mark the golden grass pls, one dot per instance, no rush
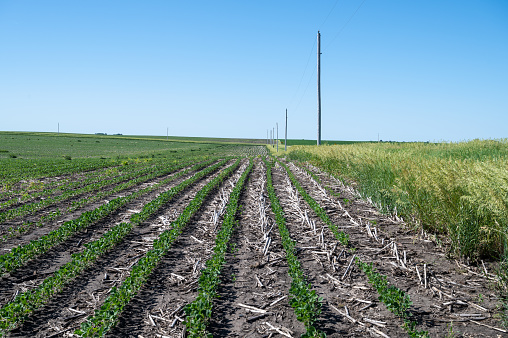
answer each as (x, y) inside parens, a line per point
(459, 189)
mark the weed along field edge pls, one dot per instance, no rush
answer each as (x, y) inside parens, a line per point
(144, 237)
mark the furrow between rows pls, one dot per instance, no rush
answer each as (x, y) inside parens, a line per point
(327, 264)
(106, 317)
(443, 292)
(158, 307)
(15, 312)
(253, 296)
(36, 270)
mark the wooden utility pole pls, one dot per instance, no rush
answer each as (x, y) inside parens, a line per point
(286, 133)
(277, 136)
(318, 88)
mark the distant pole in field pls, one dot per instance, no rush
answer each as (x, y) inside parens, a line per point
(318, 88)
(270, 138)
(286, 133)
(273, 137)
(277, 136)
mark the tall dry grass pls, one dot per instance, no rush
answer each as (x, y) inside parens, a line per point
(457, 189)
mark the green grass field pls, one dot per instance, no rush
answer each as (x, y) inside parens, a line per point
(51, 145)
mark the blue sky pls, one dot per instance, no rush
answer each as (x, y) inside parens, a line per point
(408, 70)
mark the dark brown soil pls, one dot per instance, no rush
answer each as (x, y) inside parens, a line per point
(455, 293)
(253, 277)
(62, 206)
(35, 271)
(458, 300)
(174, 283)
(87, 292)
(36, 232)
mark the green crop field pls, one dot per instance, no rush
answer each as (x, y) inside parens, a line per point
(51, 145)
(151, 236)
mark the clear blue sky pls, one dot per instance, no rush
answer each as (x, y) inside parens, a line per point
(408, 70)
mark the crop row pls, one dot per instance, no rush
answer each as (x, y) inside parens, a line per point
(100, 195)
(17, 170)
(106, 317)
(318, 180)
(396, 300)
(31, 188)
(342, 237)
(163, 171)
(200, 310)
(28, 208)
(46, 190)
(21, 254)
(17, 310)
(454, 189)
(305, 302)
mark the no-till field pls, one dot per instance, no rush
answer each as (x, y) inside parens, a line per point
(449, 299)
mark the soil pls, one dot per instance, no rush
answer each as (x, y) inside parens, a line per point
(256, 273)
(455, 295)
(46, 227)
(455, 300)
(62, 206)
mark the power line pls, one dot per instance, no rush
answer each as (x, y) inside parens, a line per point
(303, 75)
(342, 28)
(324, 49)
(308, 60)
(331, 10)
(305, 91)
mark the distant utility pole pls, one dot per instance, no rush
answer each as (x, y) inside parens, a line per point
(318, 88)
(270, 138)
(273, 137)
(286, 133)
(277, 136)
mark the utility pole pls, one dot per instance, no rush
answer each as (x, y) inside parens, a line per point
(318, 88)
(277, 136)
(286, 133)
(273, 137)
